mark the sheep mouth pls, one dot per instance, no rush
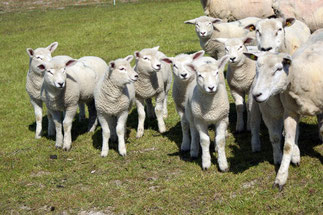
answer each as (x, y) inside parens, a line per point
(133, 80)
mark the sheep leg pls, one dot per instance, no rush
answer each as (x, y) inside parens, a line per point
(255, 120)
(275, 128)
(296, 156)
(320, 125)
(205, 144)
(290, 126)
(195, 146)
(38, 110)
(58, 127)
(67, 125)
(81, 112)
(121, 125)
(93, 121)
(159, 112)
(239, 102)
(112, 125)
(105, 134)
(165, 111)
(51, 125)
(141, 116)
(185, 146)
(150, 109)
(221, 128)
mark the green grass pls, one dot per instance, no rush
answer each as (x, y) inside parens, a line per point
(154, 178)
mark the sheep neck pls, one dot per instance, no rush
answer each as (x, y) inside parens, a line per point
(34, 80)
(112, 92)
(54, 97)
(148, 84)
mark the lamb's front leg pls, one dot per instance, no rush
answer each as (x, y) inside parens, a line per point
(140, 103)
(159, 112)
(205, 144)
(38, 110)
(239, 102)
(105, 134)
(254, 120)
(296, 157)
(121, 125)
(93, 120)
(57, 115)
(67, 125)
(51, 125)
(320, 125)
(290, 127)
(185, 146)
(275, 128)
(165, 110)
(221, 128)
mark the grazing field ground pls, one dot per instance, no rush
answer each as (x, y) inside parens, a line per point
(154, 178)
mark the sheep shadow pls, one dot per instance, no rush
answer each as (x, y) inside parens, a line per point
(78, 128)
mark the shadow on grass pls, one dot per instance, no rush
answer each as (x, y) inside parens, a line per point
(78, 128)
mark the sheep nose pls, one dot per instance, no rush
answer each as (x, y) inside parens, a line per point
(158, 66)
(256, 95)
(60, 84)
(232, 59)
(136, 76)
(203, 33)
(211, 88)
(266, 49)
(184, 75)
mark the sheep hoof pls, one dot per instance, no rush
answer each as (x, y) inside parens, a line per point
(37, 136)
(225, 170)
(58, 146)
(66, 148)
(123, 154)
(104, 154)
(279, 186)
(297, 164)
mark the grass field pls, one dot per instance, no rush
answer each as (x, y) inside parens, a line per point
(154, 178)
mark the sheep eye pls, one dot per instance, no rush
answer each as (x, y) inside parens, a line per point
(200, 76)
(227, 50)
(50, 72)
(122, 69)
(240, 47)
(280, 29)
(258, 32)
(146, 58)
(175, 66)
(38, 57)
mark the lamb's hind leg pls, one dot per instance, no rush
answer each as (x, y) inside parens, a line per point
(81, 111)
(185, 146)
(121, 126)
(150, 109)
(159, 112)
(58, 127)
(275, 128)
(296, 157)
(221, 128)
(38, 110)
(67, 125)
(239, 102)
(93, 120)
(165, 111)
(320, 125)
(51, 125)
(141, 116)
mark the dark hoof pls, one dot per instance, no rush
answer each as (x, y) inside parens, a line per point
(280, 187)
(225, 170)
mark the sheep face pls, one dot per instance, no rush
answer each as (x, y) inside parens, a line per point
(235, 48)
(178, 63)
(146, 60)
(121, 72)
(39, 56)
(271, 74)
(55, 73)
(208, 75)
(204, 26)
(270, 34)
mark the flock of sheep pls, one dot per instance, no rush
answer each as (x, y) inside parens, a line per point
(280, 72)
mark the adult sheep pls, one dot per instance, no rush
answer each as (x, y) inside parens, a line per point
(310, 12)
(237, 9)
(298, 80)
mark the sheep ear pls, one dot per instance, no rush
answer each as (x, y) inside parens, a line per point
(247, 40)
(250, 27)
(129, 58)
(42, 67)
(191, 67)
(167, 60)
(137, 54)
(288, 22)
(30, 52)
(220, 40)
(52, 46)
(112, 64)
(215, 20)
(70, 63)
(251, 56)
(191, 21)
(156, 48)
(198, 54)
(223, 61)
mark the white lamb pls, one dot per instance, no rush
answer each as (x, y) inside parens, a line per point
(65, 85)
(208, 29)
(296, 83)
(184, 81)
(34, 82)
(114, 96)
(154, 80)
(208, 104)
